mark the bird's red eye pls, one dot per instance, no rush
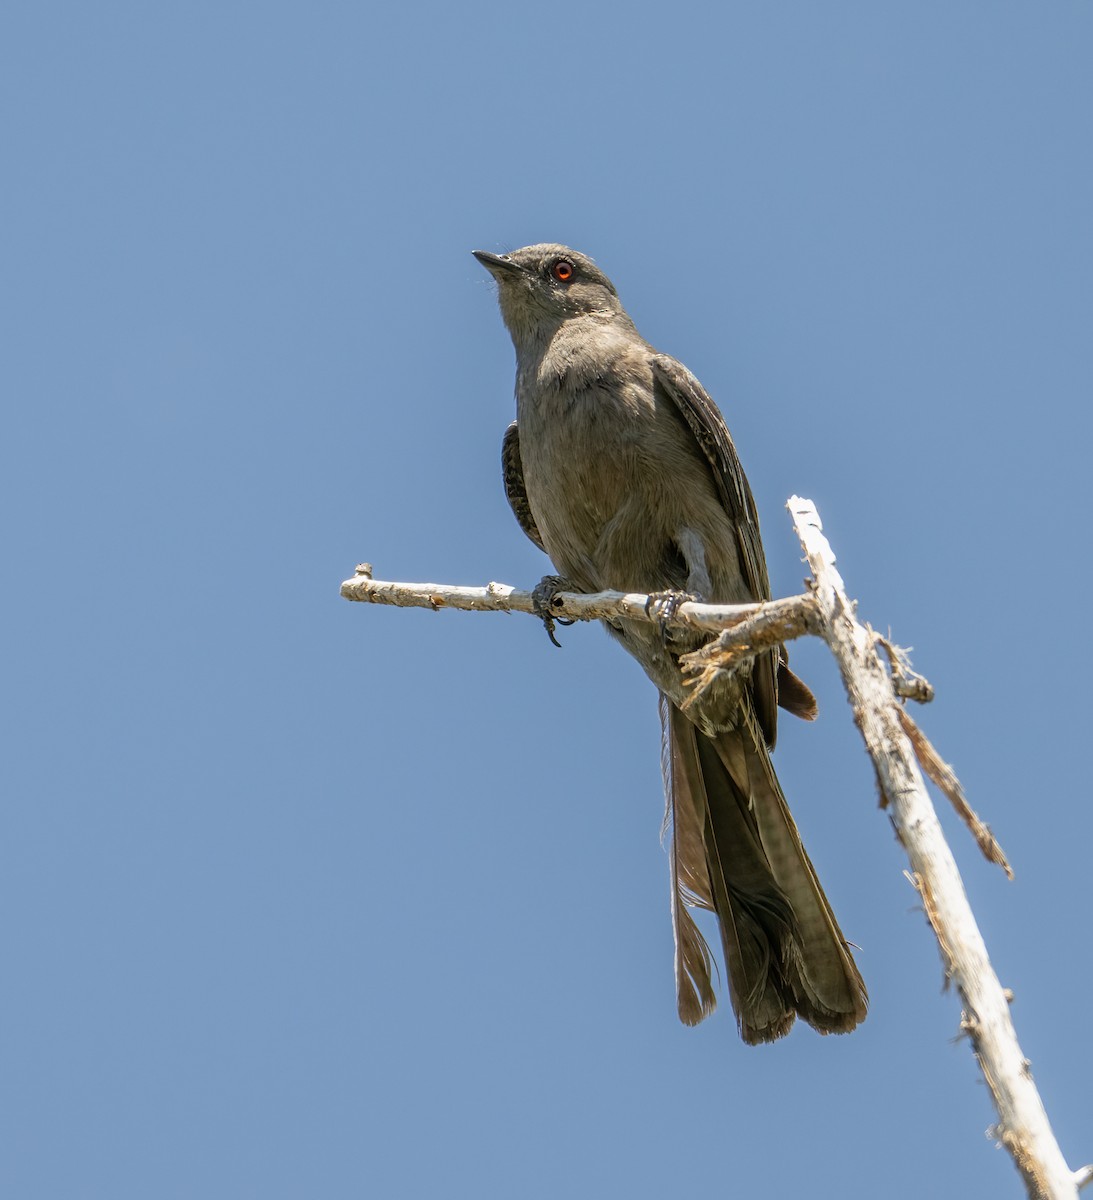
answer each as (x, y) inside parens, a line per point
(562, 270)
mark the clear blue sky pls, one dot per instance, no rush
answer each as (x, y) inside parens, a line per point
(302, 898)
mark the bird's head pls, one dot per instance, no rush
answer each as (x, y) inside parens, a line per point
(541, 287)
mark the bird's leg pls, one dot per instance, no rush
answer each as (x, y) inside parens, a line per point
(542, 598)
(663, 606)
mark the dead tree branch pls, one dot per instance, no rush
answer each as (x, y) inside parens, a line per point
(1023, 1127)
(573, 606)
(897, 748)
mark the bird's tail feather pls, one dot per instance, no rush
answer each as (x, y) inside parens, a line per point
(683, 826)
(735, 849)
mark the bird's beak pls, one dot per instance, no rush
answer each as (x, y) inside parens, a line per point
(498, 266)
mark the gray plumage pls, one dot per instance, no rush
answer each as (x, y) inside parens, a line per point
(621, 468)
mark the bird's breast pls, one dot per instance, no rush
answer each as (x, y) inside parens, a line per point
(608, 473)
(578, 451)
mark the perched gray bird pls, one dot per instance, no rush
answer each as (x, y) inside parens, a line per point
(621, 468)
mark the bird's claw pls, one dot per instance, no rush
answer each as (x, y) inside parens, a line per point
(542, 600)
(663, 606)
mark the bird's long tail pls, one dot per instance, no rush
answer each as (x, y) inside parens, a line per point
(735, 850)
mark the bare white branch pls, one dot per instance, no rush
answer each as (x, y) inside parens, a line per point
(1023, 1126)
(573, 606)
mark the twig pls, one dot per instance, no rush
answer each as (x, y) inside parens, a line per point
(774, 623)
(945, 778)
(908, 684)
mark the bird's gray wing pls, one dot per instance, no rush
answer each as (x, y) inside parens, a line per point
(712, 435)
(512, 473)
(708, 426)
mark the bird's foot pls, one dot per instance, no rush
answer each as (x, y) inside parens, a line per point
(663, 606)
(542, 599)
